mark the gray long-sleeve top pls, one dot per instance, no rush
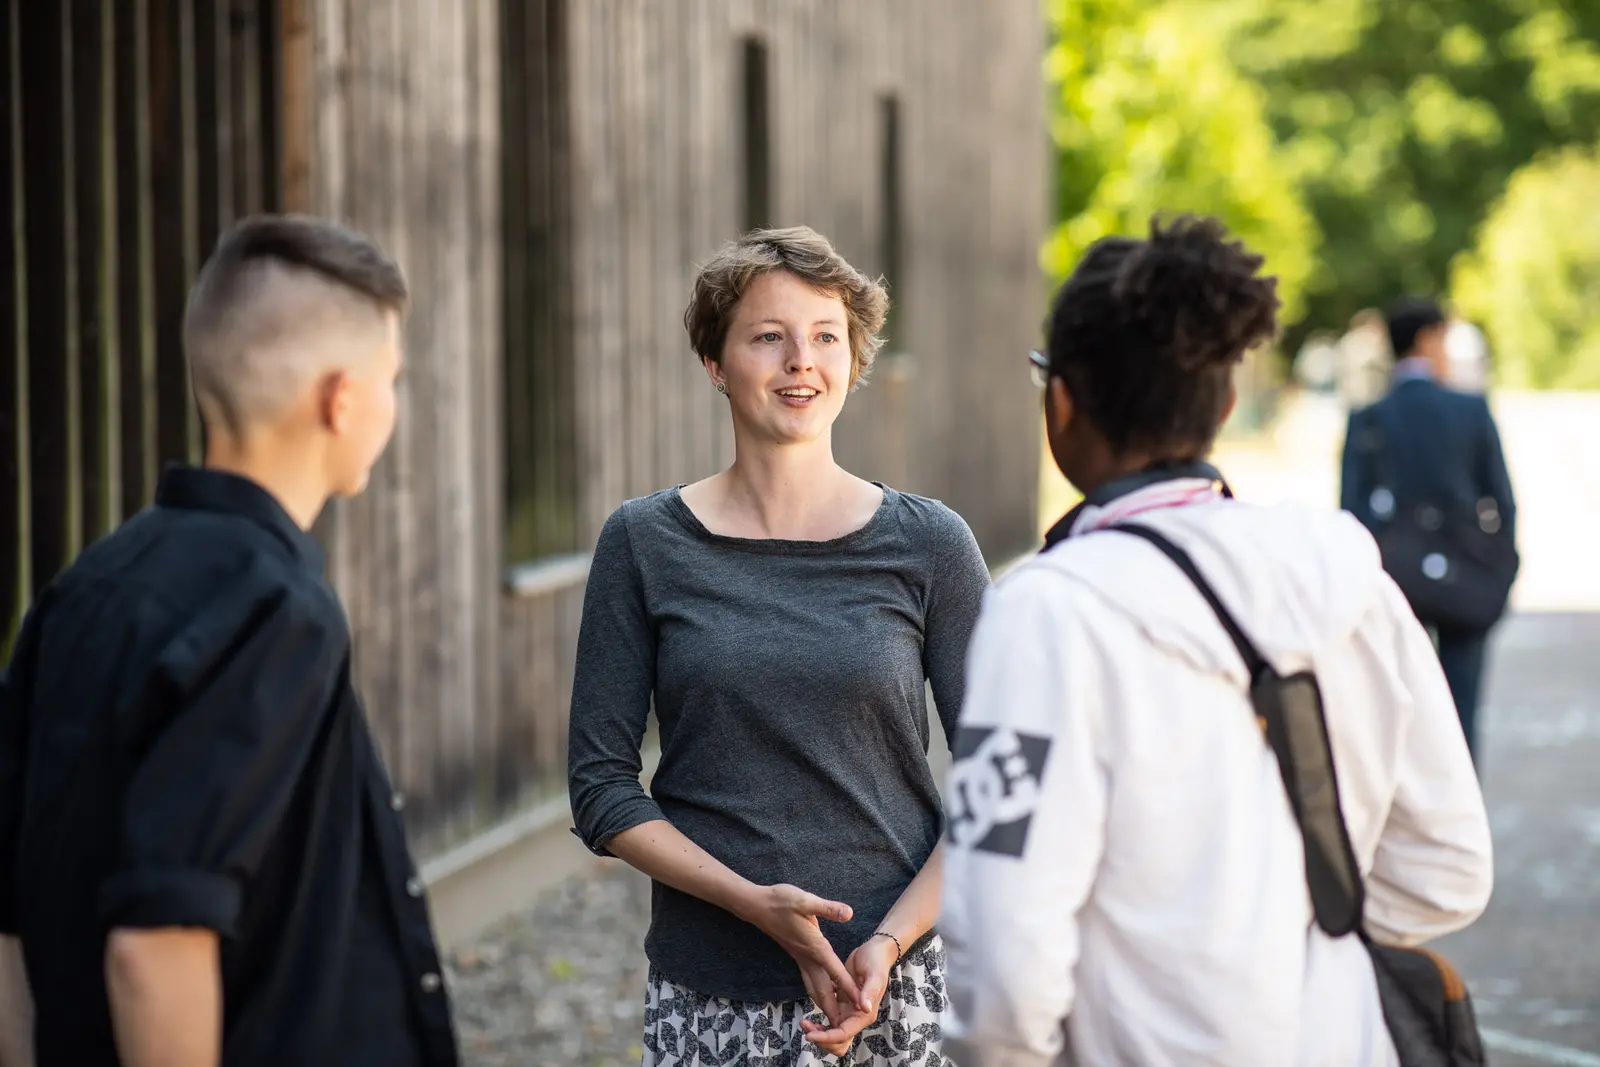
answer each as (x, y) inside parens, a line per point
(788, 684)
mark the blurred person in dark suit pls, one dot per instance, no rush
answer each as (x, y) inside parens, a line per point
(1424, 471)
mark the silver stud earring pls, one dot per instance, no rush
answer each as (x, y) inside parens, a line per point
(722, 387)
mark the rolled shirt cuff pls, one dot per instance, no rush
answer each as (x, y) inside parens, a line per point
(635, 811)
(147, 899)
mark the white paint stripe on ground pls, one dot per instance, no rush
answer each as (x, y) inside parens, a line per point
(1543, 1051)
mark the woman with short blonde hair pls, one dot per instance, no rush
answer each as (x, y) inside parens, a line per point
(783, 618)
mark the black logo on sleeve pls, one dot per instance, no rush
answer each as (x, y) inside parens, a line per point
(994, 788)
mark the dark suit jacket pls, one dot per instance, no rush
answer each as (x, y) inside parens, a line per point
(1441, 446)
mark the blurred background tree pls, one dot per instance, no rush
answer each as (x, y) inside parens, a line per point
(1533, 280)
(1152, 115)
(1360, 144)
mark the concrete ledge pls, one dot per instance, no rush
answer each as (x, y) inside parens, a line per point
(547, 576)
(499, 872)
(472, 895)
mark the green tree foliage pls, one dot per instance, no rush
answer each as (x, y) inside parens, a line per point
(1152, 116)
(1359, 143)
(1404, 120)
(1534, 278)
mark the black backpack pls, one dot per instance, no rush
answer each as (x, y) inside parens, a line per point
(1425, 1002)
(1454, 563)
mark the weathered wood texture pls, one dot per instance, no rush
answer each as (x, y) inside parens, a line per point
(134, 131)
(392, 122)
(908, 131)
(550, 172)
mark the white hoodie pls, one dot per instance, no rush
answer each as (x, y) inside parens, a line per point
(1124, 881)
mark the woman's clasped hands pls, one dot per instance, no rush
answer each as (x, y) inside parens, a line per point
(848, 993)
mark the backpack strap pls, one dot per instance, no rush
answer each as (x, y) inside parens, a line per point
(1290, 712)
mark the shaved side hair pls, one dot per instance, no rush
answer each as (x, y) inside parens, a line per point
(284, 300)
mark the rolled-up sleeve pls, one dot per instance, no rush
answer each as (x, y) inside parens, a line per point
(612, 681)
(13, 751)
(241, 696)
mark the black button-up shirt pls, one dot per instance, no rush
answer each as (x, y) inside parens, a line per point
(181, 745)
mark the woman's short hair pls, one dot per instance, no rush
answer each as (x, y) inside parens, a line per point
(1146, 333)
(809, 256)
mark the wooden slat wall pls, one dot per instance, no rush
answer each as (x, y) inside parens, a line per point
(966, 78)
(550, 173)
(396, 115)
(130, 129)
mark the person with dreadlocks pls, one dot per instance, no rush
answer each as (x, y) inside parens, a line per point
(1126, 878)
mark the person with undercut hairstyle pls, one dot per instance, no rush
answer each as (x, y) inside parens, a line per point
(1128, 879)
(201, 858)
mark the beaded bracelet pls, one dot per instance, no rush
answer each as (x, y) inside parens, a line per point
(898, 947)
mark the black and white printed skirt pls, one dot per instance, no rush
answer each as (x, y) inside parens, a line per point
(683, 1028)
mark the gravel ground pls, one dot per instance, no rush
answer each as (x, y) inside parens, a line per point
(560, 984)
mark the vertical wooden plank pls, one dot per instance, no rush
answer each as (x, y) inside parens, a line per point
(582, 156)
(946, 189)
(16, 563)
(52, 340)
(92, 178)
(310, 49)
(750, 18)
(633, 248)
(538, 437)
(563, 412)
(488, 442)
(546, 502)
(719, 177)
(272, 33)
(1028, 218)
(665, 41)
(388, 174)
(699, 174)
(519, 22)
(134, 267)
(242, 29)
(172, 178)
(213, 85)
(985, 492)
(607, 415)
(458, 343)
(308, 54)
(839, 112)
(420, 501)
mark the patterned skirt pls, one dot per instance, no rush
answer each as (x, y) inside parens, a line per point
(683, 1028)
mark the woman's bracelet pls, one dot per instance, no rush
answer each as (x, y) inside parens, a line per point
(899, 949)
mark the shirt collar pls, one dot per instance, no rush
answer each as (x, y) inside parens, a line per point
(1413, 368)
(1157, 474)
(200, 489)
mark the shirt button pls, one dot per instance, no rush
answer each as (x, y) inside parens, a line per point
(430, 983)
(413, 887)
(397, 802)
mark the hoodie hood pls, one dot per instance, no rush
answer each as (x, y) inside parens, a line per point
(1297, 579)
